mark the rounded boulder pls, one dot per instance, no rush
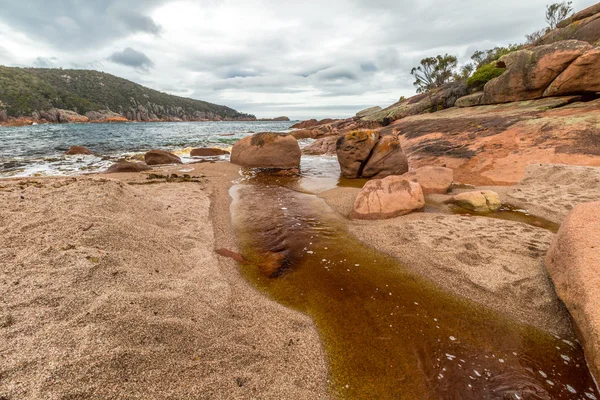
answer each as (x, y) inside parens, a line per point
(432, 179)
(160, 157)
(389, 197)
(267, 150)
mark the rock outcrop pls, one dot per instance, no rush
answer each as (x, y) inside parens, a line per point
(481, 201)
(125, 166)
(78, 150)
(267, 150)
(529, 72)
(435, 100)
(105, 116)
(573, 263)
(584, 25)
(59, 116)
(323, 146)
(582, 76)
(388, 198)
(208, 152)
(160, 157)
(368, 111)
(432, 179)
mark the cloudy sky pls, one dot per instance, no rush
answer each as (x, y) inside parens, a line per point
(310, 58)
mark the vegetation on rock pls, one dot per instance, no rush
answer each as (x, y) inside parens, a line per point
(483, 75)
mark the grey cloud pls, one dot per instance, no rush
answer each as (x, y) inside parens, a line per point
(45, 62)
(132, 58)
(75, 24)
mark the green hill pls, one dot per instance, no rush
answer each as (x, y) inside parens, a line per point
(24, 91)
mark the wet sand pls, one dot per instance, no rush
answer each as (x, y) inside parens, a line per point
(111, 289)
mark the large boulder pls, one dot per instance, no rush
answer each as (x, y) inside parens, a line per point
(573, 263)
(480, 201)
(353, 151)
(125, 166)
(582, 76)
(78, 150)
(56, 115)
(530, 71)
(388, 198)
(160, 157)
(305, 124)
(387, 158)
(267, 150)
(432, 179)
(208, 152)
(584, 25)
(471, 100)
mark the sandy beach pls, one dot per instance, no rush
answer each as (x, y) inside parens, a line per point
(112, 289)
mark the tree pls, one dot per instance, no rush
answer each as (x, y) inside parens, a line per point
(434, 72)
(536, 37)
(557, 12)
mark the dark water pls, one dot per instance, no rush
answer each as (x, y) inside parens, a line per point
(389, 334)
(39, 149)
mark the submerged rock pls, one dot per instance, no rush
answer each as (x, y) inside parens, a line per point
(78, 150)
(573, 263)
(160, 157)
(432, 179)
(480, 201)
(208, 152)
(125, 166)
(267, 150)
(388, 198)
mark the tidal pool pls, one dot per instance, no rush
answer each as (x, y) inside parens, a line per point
(387, 333)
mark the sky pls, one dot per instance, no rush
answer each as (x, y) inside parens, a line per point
(302, 59)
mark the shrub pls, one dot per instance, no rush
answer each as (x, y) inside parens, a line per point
(483, 75)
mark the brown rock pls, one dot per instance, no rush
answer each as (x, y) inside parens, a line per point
(305, 124)
(323, 146)
(303, 134)
(387, 158)
(432, 179)
(368, 111)
(124, 166)
(583, 14)
(388, 198)
(208, 152)
(582, 76)
(267, 150)
(160, 157)
(353, 150)
(78, 150)
(530, 71)
(573, 263)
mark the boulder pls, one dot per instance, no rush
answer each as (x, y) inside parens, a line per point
(208, 152)
(582, 76)
(105, 116)
(303, 134)
(267, 150)
(480, 201)
(471, 100)
(323, 146)
(581, 15)
(78, 150)
(573, 263)
(530, 71)
(368, 111)
(388, 198)
(124, 166)
(432, 179)
(584, 25)
(160, 157)
(387, 158)
(353, 150)
(56, 115)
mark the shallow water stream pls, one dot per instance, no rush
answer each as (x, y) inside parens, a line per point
(387, 333)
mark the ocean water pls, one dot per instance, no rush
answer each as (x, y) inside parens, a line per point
(38, 150)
